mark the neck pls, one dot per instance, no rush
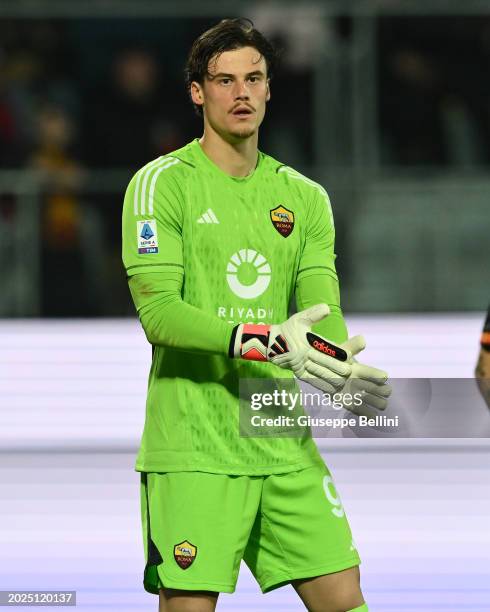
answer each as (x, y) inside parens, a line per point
(234, 158)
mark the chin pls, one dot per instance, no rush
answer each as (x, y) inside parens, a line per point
(245, 132)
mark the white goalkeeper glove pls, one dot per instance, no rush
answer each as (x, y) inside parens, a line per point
(293, 346)
(365, 382)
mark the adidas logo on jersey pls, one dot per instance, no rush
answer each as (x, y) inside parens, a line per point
(208, 217)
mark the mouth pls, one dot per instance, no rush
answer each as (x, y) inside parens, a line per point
(242, 111)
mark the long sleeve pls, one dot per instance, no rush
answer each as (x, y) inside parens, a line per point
(323, 288)
(169, 321)
(317, 280)
(153, 257)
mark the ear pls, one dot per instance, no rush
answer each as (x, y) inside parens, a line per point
(197, 93)
(268, 91)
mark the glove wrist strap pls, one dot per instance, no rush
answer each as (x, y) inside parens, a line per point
(250, 341)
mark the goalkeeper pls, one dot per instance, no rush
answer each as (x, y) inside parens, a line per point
(217, 239)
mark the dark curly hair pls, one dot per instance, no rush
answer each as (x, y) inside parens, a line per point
(227, 35)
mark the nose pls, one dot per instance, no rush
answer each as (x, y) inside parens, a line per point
(241, 91)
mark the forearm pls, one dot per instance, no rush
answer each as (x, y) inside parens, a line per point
(323, 289)
(169, 321)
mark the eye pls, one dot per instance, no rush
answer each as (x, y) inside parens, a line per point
(253, 79)
(225, 81)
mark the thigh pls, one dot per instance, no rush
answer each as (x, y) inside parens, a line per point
(301, 530)
(187, 601)
(195, 527)
(334, 592)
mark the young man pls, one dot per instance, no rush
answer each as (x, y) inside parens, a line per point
(217, 238)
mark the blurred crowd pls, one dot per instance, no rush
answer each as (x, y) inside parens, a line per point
(434, 98)
(73, 99)
(62, 124)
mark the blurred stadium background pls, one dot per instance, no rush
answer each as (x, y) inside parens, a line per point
(387, 104)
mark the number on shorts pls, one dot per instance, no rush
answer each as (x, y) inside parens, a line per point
(333, 496)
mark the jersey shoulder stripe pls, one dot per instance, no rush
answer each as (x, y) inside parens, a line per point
(146, 178)
(297, 176)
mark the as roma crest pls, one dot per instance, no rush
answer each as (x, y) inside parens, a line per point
(283, 220)
(184, 554)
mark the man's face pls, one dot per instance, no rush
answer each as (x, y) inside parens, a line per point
(234, 94)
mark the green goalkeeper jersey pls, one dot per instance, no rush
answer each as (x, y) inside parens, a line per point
(242, 245)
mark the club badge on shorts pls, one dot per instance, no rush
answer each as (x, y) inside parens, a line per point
(184, 554)
(283, 220)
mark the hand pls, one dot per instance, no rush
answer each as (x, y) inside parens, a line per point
(366, 381)
(293, 346)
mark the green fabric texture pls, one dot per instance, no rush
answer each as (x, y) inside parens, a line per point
(169, 321)
(205, 251)
(222, 519)
(317, 289)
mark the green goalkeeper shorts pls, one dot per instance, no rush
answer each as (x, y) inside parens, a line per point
(197, 527)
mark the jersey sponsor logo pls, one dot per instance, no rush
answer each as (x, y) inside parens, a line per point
(208, 217)
(184, 554)
(283, 220)
(146, 233)
(240, 314)
(325, 347)
(248, 274)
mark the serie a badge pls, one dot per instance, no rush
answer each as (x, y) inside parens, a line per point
(283, 220)
(184, 554)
